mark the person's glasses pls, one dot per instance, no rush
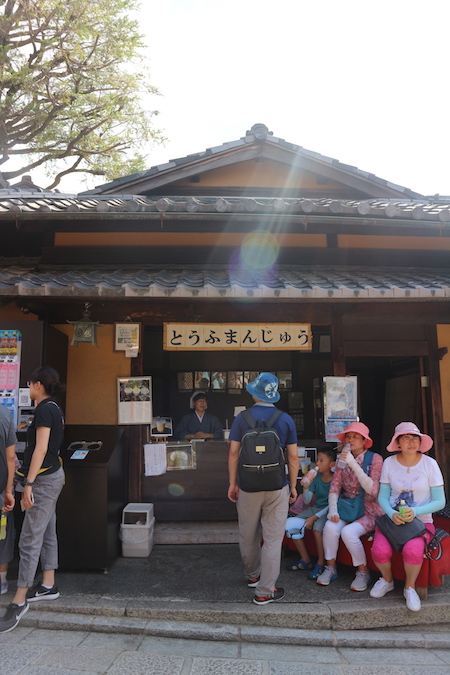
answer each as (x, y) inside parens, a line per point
(410, 439)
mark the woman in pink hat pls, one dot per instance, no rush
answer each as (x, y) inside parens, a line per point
(416, 479)
(359, 480)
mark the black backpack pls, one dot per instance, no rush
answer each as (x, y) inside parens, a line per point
(262, 466)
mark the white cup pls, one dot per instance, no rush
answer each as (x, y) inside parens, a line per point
(226, 434)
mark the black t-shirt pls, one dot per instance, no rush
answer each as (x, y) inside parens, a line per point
(47, 414)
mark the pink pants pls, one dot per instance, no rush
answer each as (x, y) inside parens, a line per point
(412, 551)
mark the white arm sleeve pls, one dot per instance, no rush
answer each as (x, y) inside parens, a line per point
(364, 480)
(332, 505)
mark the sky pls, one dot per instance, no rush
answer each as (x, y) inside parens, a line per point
(363, 82)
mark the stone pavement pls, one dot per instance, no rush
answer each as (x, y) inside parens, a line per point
(27, 651)
(198, 592)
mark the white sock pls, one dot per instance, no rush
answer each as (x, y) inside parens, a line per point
(47, 587)
(3, 577)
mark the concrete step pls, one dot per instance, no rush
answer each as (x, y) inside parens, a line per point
(77, 611)
(196, 533)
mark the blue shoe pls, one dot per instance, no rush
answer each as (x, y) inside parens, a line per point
(4, 588)
(300, 565)
(316, 572)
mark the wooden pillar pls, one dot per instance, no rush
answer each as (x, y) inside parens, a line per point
(135, 440)
(337, 344)
(437, 417)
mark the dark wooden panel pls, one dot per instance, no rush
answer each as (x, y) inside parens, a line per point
(382, 331)
(203, 490)
(385, 348)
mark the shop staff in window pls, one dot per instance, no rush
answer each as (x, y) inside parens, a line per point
(199, 423)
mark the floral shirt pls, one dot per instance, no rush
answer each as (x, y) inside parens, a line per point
(345, 481)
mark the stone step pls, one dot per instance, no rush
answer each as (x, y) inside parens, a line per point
(100, 612)
(196, 533)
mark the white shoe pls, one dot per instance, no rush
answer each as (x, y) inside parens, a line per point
(412, 599)
(381, 587)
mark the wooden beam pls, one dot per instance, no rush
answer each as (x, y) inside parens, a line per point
(136, 444)
(436, 406)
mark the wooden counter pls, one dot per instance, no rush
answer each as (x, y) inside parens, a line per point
(197, 495)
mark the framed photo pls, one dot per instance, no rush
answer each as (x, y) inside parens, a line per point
(185, 381)
(219, 381)
(284, 380)
(134, 400)
(202, 379)
(127, 336)
(181, 457)
(161, 427)
(235, 379)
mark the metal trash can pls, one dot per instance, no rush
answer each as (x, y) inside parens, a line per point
(137, 530)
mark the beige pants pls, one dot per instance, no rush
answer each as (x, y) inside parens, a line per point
(262, 515)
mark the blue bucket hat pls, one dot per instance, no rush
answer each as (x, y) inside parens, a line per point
(265, 388)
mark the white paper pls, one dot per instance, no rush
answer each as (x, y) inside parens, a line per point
(132, 352)
(155, 459)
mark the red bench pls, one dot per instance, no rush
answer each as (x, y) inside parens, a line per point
(431, 574)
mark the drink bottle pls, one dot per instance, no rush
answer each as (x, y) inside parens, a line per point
(340, 463)
(308, 479)
(402, 507)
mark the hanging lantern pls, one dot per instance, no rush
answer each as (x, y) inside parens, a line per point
(85, 330)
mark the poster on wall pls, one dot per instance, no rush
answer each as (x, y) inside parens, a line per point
(126, 336)
(341, 400)
(134, 400)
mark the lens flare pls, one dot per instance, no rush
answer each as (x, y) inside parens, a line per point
(176, 490)
(259, 250)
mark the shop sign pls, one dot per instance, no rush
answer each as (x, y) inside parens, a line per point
(237, 337)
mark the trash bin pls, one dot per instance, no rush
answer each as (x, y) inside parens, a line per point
(136, 530)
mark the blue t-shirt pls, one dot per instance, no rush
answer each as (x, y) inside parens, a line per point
(321, 491)
(284, 426)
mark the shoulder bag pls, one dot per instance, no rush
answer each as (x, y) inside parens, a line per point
(352, 508)
(399, 535)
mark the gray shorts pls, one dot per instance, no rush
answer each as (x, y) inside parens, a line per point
(319, 524)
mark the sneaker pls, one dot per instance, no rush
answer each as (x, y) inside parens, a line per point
(316, 572)
(300, 565)
(381, 587)
(329, 574)
(412, 599)
(39, 592)
(252, 583)
(361, 581)
(277, 594)
(12, 616)
(4, 588)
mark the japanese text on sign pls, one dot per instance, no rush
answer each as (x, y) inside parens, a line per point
(224, 336)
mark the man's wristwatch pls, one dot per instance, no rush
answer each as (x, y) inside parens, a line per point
(26, 482)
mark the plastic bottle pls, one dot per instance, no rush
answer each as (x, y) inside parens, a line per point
(402, 507)
(341, 463)
(308, 479)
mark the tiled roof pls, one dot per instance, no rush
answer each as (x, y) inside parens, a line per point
(29, 203)
(294, 282)
(258, 133)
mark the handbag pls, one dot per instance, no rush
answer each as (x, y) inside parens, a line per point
(399, 535)
(352, 508)
(434, 547)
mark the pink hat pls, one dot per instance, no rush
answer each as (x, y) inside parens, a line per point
(359, 428)
(426, 442)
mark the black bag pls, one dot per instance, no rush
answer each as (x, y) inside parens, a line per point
(262, 465)
(434, 548)
(399, 535)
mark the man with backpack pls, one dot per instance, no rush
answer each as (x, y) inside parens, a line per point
(263, 442)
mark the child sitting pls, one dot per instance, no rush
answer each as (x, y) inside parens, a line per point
(316, 515)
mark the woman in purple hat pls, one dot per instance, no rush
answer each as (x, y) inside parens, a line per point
(357, 486)
(416, 479)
